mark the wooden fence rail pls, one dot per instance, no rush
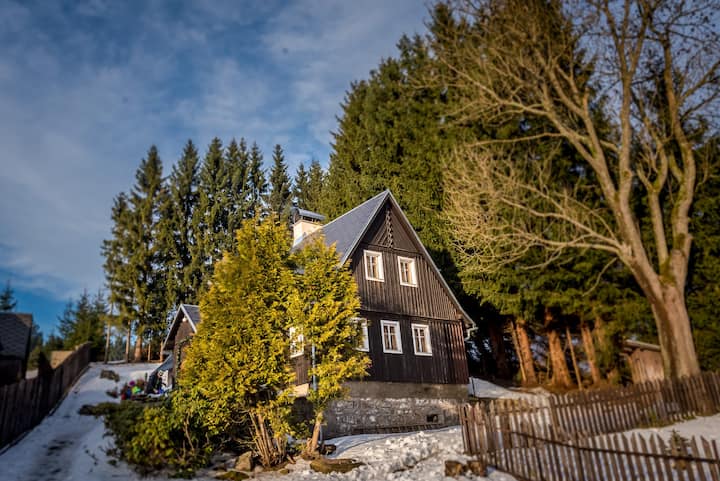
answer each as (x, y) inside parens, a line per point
(539, 439)
(24, 404)
(609, 457)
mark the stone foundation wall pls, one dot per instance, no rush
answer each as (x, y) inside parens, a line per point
(382, 406)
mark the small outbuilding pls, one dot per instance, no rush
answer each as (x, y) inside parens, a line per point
(15, 330)
(644, 360)
(183, 327)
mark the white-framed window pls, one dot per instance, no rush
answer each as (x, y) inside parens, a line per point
(297, 342)
(408, 274)
(364, 343)
(374, 266)
(392, 342)
(421, 339)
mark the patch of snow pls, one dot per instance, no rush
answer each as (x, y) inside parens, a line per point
(707, 427)
(485, 389)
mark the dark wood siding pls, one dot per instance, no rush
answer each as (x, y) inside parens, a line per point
(447, 365)
(184, 331)
(301, 366)
(429, 303)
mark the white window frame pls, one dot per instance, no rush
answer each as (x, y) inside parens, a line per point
(365, 339)
(426, 329)
(297, 342)
(413, 271)
(379, 260)
(397, 335)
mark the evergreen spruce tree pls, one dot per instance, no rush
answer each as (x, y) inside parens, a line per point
(7, 299)
(147, 257)
(83, 321)
(704, 278)
(279, 199)
(300, 187)
(257, 184)
(237, 160)
(184, 273)
(212, 212)
(315, 186)
(119, 272)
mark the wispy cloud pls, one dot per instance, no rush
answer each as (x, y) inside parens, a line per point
(87, 87)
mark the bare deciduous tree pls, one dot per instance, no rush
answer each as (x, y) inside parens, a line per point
(632, 87)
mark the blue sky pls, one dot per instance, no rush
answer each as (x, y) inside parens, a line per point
(87, 86)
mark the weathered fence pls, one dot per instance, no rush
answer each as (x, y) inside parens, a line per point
(568, 436)
(24, 404)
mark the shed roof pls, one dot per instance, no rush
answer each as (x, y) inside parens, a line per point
(15, 329)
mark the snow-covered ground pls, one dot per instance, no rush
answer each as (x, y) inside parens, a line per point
(67, 446)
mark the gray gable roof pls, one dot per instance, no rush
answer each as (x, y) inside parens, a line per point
(191, 311)
(15, 331)
(348, 230)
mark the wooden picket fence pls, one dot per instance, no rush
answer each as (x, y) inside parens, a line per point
(569, 437)
(24, 404)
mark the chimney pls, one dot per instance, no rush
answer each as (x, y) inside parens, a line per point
(305, 223)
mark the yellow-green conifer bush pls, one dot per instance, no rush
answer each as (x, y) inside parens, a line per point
(325, 310)
(238, 360)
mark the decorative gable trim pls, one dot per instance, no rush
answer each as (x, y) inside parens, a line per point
(388, 197)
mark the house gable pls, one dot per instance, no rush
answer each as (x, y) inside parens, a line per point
(388, 235)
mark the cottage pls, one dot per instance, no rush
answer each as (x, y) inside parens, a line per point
(183, 327)
(414, 326)
(15, 330)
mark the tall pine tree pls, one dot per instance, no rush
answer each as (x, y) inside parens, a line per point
(184, 272)
(279, 198)
(257, 183)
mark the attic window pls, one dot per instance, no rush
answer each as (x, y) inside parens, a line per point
(297, 342)
(408, 274)
(374, 266)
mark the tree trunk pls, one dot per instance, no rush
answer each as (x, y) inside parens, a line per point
(497, 344)
(675, 335)
(107, 343)
(518, 354)
(137, 355)
(127, 343)
(590, 353)
(312, 444)
(149, 352)
(560, 372)
(525, 353)
(576, 368)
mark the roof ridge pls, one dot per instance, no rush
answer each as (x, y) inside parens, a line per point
(384, 192)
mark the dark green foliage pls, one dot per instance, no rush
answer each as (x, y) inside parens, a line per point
(84, 321)
(237, 160)
(7, 299)
(308, 187)
(158, 436)
(211, 216)
(703, 287)
(279, 199)
(184, 272)
(257, 184)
